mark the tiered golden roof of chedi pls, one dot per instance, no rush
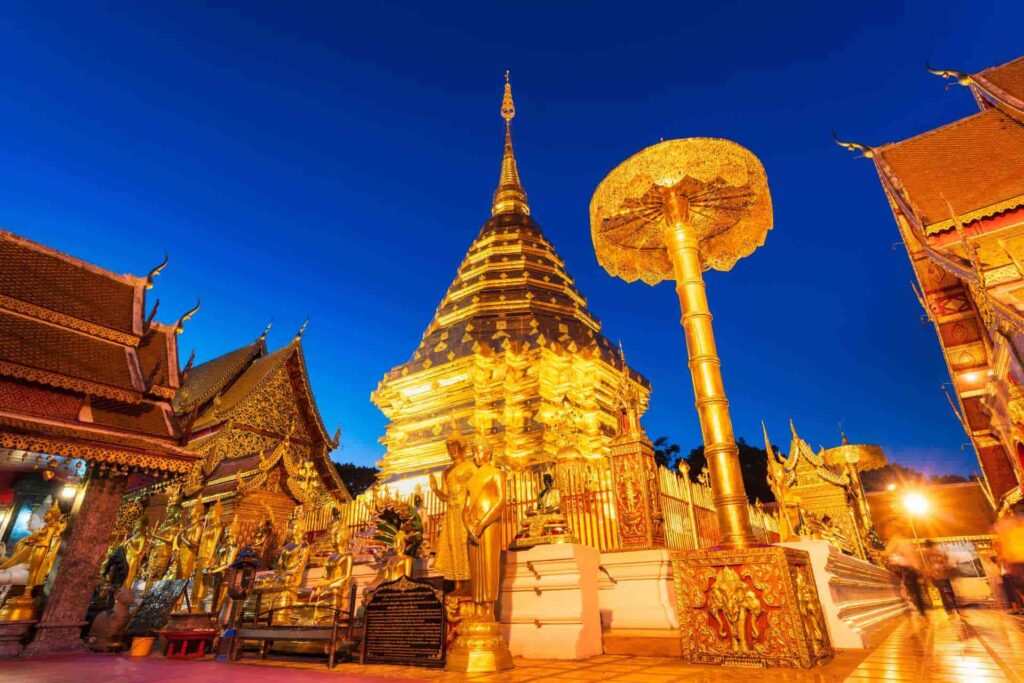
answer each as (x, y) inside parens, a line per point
(958, 196)
(251, 414)
(512, 351)
(84, 373)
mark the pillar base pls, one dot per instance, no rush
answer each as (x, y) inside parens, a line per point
(752, 607)
(56, 638)
(479, 648)
(20, 608)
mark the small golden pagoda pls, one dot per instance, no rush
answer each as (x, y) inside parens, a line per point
(512, 351)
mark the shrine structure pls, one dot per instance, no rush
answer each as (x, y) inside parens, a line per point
(957, 194)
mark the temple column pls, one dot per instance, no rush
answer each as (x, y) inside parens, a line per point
(59, 628)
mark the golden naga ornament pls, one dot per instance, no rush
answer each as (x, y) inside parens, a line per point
(672, 211)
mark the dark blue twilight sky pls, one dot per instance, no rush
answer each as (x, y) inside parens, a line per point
(336, 161)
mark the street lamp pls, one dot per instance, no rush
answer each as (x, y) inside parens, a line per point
(916, 505)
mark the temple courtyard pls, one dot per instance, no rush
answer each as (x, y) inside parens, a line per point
(976, 646)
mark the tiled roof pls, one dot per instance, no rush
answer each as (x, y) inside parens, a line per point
(204, 381)
(245, 383)
(977, 164)
(1009, 79)
(43, 277)
(954, 510)
(52, 355)
(148, 418)
(157, 356)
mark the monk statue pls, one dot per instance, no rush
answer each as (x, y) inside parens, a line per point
(261, 540)
(135, 547)
(400, 563)
(545, 523)
(784, 498)
(30, 563)
(209, 542)
(223, 557)
(452, 559)
(479, 646)
(162, 539)
(337, 577)
(186, 545)
(106, 634)
(289, 568)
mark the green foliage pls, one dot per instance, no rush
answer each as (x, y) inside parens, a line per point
(901, 475)
(753, 468)
(357, 478)
(666, 454)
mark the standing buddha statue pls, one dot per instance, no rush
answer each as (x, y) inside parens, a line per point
(452, 559)
(135, 547)
(223, 556)
(209, 541)
(186, 545)
(162, 540)
(479, 646)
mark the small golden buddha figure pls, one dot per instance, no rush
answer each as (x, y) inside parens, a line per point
(161, 542)
(289, 568)
(545, 523)
(209, 541)
(452, 559)
(223, 556)
(337, 577)
(186, 545)
(135, 547)
(399, 564)
(261, 540)
(36, 553)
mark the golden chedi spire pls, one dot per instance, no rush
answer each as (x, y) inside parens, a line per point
(510, 195)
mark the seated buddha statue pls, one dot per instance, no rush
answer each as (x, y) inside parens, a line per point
(545, 523)
(289, 567)
(400, 563)
(30, 564)
(337, 577)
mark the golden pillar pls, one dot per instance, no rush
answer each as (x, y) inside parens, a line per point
(673, 211)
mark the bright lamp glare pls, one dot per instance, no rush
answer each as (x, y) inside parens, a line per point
(890, 487)
(915, 503)
(68, 492)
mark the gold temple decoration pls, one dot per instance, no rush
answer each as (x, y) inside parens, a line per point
(479, 646)
(284, 584)
(227, 550)
(669, 212)
(135, 550)
(162, 539)
(209, 543)
(333, 589)
(36, 552)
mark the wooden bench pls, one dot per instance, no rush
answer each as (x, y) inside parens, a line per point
(260, 627)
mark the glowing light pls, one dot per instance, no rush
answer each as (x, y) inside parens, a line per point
(915, 503)
(890, 487)
(69, 492)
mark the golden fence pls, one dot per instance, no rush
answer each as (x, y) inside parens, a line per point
(588, 503)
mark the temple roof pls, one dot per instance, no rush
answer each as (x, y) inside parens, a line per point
(975, 164)
(37, 276)
(204, 381)
(955, 510)
(1003, 86)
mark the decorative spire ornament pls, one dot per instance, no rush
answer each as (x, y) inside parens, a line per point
(510, 195)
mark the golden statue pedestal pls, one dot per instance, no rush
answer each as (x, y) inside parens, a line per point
(543, 529)
(478, 647)
(750, 607)
(23, 607)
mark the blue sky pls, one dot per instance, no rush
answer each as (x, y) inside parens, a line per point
(335, 161)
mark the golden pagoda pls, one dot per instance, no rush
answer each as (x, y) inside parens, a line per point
(512, 352)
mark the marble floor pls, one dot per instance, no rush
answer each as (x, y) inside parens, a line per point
(977, 646)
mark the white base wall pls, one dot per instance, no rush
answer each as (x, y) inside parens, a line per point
(857, 598)
(548, 606)
(637, 591)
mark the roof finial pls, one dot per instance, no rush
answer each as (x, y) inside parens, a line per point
(156, 271)
(958, 76)
(180, 326)
(510, 196)
(266, 330)
(298, 335)
(866, 152)
(843, 435)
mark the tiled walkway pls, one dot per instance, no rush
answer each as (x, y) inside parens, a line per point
(978, 647)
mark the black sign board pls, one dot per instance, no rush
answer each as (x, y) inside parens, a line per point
(404, 623)
(156, 605)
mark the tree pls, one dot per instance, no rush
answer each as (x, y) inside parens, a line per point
(666, 454)
(753, 469)
(357, 478)
(901, 475)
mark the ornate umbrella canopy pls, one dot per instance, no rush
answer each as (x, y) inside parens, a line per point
(722, 185)
(865, 456)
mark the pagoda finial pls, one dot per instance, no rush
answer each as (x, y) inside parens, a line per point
(298, 335)
(510, 196)
(266, 331)
(842, 434)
